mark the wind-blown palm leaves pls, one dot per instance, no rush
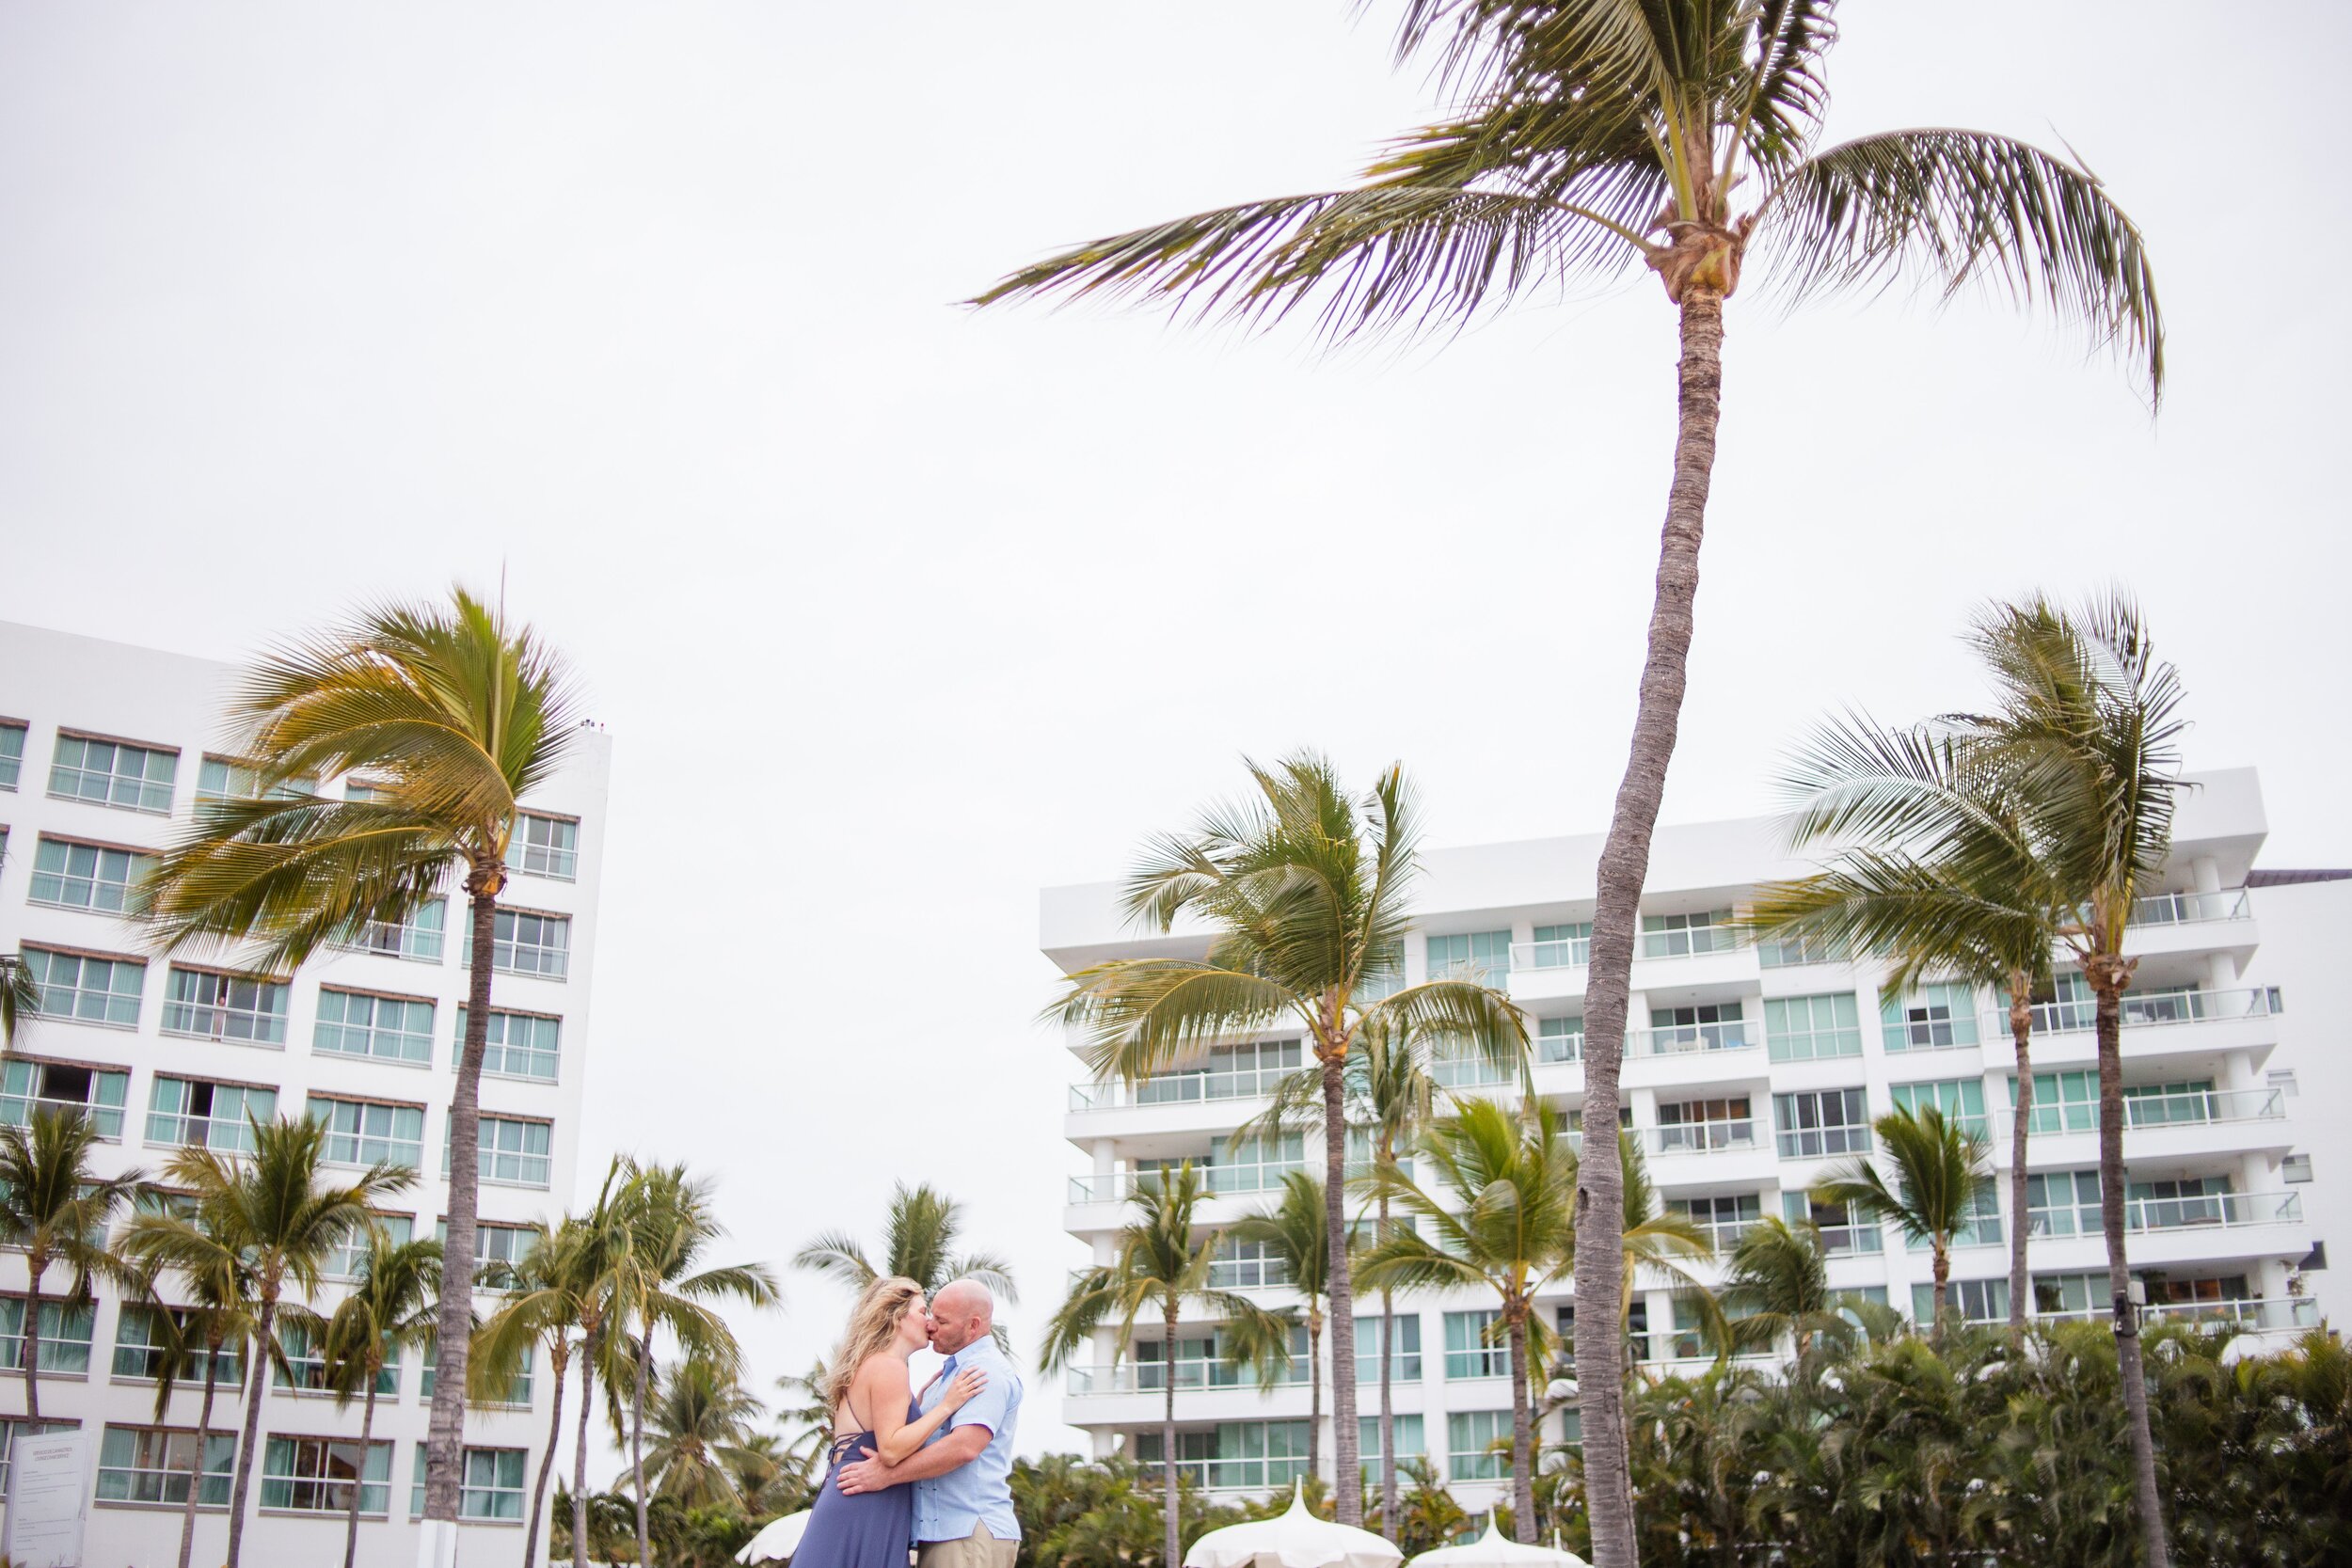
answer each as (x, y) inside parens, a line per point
(20, 997)
(1161, 1263)
(1941, 1183)
(394, 1307)
(448, 715)
(701, 1423)
(1972, 902)
(1304, 892)
(919, 1242)
(1591, 139)
(1778, 1283)
(58, 1210)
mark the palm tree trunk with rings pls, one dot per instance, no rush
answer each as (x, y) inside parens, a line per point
(204, 1433)
(1387, 1409)
(28, 1345)
(256, 1382)
(1167, 1444)
(445, 1428)
(637, 1443)
(559, 1363)
(579, 1452)
(359, 1484)
(1624, 865)
(2108, 976)
(2021, 1129)
(1348, 1478)
(1522, 1430)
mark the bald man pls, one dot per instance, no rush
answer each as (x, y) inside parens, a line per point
(963, 1477)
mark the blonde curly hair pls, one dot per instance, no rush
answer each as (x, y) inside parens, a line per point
(873, 1324)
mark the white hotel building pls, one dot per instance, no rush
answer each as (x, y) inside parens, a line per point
(1749, 1072)
(104, 749)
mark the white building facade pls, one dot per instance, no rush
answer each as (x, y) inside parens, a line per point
(1748, 1072)
(105, 749)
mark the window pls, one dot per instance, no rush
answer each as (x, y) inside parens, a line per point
(2062, 1101)
(528, 1045)
(1725, 1218)
(1481, 956)
(217, 1006)
(1709, 1027)
(143, 1344)
(1383, 974)
(1563, 946)
(1804, 1028)
(98, 1093)
(1255, 1165)
(2208, 1292)
(1405, 1365)
(1982, 1227)
(1559, 1040)
(111, 773)
(1691, 1338)
(2065, 1294)
(65, 1333)
(1467, 1353)
(204, 1114)
(11, 765)
(225, 779)
(1411, 1444)
(545, 846)
(1935, 1018)
(1696, 1126)
(2169, 1104)
(389, 1029)
(88, 988)
(2176, 1203)
(1796, 952)
(2283, 1079)
(1235, 1456)
(526, 944)
(1976, 1301)
(2295, 1168)
(1846, 1231)
(367, 1131)
(1819, 1123)
(316, 1475)
(415, 937)
(2062, 1203)
(351, 1253)
(1245, 1266)
(2073, 1007)
(495, 1248)
(154, 1464)
(13, 1427)
(1676, 936)
(1961, 1100)
(515, 1152)
(518, 1389)
(1459, 1064)
(92, 876)
(1199, 1362)
(1636, 1328)
(1478, 1445)
(305, 1369)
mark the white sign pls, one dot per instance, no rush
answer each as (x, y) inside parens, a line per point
(48, 1500)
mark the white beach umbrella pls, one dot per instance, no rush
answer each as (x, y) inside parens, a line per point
(1496, 1550)
(777, 1542)
(1294, 1540)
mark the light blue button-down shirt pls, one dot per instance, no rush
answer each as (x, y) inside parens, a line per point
(950, 1507)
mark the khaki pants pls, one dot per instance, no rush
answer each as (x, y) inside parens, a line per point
(977, 1550)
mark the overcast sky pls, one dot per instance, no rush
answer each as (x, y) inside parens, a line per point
(897, 613)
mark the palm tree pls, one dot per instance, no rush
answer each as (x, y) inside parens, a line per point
(918, 1243)
(1593, 140)
(217, 1279)
(1779, 1279)
(1296, 1234)
(806, 1417)
(1966, 899)
(1161, 1260)
(394, 1307)
(451, 715)
(2086, 740)
(1305, 892)
(54, 1207)
(1941, 1181)
(268, 1212)
(550, 1295)
(702, 1424)
(661, 1282)
(20, 997)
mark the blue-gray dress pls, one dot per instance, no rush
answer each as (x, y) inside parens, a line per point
(861, 1529)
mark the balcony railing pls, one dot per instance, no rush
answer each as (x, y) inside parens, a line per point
(2212, 1212)
(1698, 1137)
(2190, 908)
(1216, 1180)
(1685, 1039)
(1849, 1241)
(2273, 1313)
(1560, 1047)
(1150, 1377)
(1566, 953)
(2200, 1106)
(1179, 1088)
(2149, 1010)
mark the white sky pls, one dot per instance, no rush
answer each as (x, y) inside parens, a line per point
(897, 613)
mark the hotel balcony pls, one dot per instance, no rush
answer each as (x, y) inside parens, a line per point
(2158, 1129)
(2156, 1025)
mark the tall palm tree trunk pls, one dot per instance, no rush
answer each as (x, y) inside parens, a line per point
(257, 1384)
(1387, 1409)
(1171, 1554)
(1522, 1431)
(2107, 978)
(1624, 865)
(203, 1431)
(637, 1443)
(445, 1429)
(1348, 1479)
(2021, 1129)
(559, 1361)
(367, 1429)
(579, 1452)
(28, 1348)
(1940, 1289)
(1315, 1393)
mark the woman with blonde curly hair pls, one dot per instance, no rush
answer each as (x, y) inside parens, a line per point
(875, 1408)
